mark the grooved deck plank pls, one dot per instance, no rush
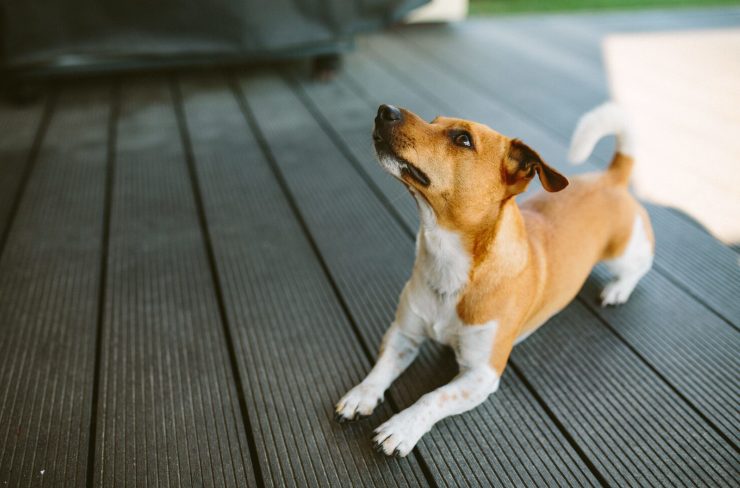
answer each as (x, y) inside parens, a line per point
(697, 266)
(49, 275)
(716, 398)
(168, 406)
(18, 130)
(295, 347)
(509, 439)
(695, 351)
(629, 422)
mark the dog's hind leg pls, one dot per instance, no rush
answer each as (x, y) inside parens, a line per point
(631, 266)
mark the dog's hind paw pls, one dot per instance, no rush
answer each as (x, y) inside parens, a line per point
(358, 403)
(616, 293)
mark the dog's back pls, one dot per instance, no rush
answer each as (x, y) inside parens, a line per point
(594, 219)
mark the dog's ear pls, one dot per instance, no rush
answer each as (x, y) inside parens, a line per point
(520, 166)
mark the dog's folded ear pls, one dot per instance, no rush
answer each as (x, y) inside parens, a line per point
(521, 164)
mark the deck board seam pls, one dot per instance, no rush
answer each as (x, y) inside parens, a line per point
(196, 190)
(114, 112)
(667, 275)
(30, 164)
(343, 149)
(282, 183)
(566, 434)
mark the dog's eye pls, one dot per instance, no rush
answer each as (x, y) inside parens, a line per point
(463, 139)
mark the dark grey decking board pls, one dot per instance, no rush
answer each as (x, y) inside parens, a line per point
(296, 349)
(370, 256)
(627, 419)
(350, 132)
(349, 119)
(708, 387)
(493, 63)
(168, 410)
(696, 271)
(20, 129)
(694, 350)
(49, 273)
(698, 263)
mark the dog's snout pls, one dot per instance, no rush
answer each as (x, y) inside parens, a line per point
(389, 114)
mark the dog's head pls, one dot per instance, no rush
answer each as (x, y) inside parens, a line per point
(460, 168)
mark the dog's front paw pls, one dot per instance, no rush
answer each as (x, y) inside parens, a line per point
(399, 435)
(359, 402)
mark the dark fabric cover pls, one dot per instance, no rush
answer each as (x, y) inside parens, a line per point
(79, 32)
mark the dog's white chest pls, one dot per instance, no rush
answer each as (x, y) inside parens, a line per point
(440, 274)
(472, 343)
(443, 327)
(437, 312)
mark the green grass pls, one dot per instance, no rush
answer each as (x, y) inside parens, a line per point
(490, 7)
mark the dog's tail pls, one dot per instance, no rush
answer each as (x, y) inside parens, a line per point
(605, 120)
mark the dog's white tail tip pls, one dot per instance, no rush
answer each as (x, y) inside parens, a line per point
(604, 120)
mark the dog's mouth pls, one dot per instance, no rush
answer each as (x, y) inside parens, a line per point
(400, 167)
(415, 173)
(377, 138)
(397, 165)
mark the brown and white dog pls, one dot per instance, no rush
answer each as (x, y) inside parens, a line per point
(489, 272)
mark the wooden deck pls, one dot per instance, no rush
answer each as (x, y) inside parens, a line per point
(194, 269)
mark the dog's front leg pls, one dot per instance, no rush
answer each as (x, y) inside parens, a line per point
(476, 380)
(398, 350)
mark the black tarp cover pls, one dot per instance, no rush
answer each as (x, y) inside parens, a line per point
(37, 33)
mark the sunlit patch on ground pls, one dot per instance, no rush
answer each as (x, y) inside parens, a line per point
(682, 90)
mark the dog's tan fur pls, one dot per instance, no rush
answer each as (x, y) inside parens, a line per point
(528, 261)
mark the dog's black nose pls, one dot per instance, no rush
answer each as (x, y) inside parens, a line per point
(389, 113)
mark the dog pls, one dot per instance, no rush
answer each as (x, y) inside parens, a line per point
(489, 272)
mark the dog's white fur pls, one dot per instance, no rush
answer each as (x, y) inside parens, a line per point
(630, 267)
